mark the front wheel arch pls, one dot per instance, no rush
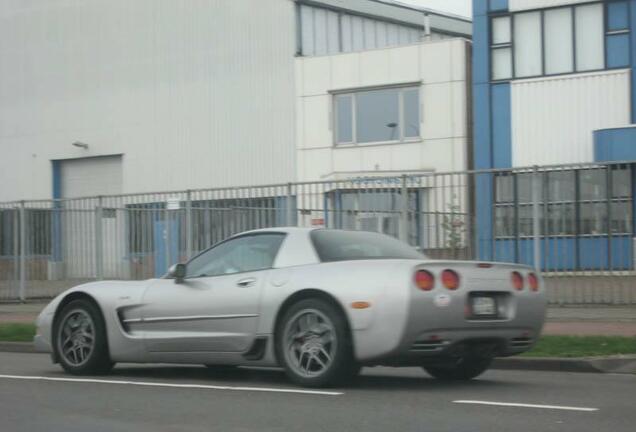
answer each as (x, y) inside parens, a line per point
(76, 295)
(309, 293)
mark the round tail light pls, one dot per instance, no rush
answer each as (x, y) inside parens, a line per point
(517, 280)
(424, 280)
(533, 281)
(450, 279)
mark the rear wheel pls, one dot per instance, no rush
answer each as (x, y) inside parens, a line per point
(79, 339)
(464, 368)
(313, 344)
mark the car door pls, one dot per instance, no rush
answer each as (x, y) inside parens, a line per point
(216, 308)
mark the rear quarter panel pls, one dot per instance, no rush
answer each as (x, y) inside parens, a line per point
(375, 329)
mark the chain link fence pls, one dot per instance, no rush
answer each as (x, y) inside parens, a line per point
(573, 222)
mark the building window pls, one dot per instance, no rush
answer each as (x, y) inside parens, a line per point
(325, 32)
(38, 232)
(573, 203)
(559, 40)
(383, 115)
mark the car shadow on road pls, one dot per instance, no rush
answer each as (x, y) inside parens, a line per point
(370, 379)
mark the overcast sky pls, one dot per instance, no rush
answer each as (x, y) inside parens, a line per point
(459, 7)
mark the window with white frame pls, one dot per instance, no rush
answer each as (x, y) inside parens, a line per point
(555, 41)
(379, 115)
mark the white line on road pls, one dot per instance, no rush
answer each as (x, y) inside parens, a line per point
(156, 384)
(523, 405)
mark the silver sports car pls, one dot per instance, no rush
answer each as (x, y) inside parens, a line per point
(320, 303)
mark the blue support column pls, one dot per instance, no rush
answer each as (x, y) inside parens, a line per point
(56, 219)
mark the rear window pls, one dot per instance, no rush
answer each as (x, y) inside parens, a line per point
(335, 245)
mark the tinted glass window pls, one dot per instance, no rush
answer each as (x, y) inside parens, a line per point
(378, 116)
(334, 245)
(344, 112)
(248, 253)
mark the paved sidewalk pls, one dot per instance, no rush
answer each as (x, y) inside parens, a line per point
(584, 321)
(592, 321)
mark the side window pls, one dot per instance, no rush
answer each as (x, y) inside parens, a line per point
(248, 253)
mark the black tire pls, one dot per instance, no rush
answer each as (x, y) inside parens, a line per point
(342, 366)
(97, 359)
(465, 368)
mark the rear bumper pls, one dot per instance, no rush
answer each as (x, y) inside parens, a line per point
(437, 345)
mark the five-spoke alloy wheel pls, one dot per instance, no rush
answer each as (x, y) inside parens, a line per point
(79, 339)
(314, 345)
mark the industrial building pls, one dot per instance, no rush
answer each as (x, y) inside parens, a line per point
(120, 100)
(554, 83)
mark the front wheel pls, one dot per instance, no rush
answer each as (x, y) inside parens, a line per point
(465, 368)
(313, 344)
(79, 339)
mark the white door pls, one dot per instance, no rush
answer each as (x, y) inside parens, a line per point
(216, 308)
(91, 177)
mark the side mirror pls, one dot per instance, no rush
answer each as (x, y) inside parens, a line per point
(177, 272)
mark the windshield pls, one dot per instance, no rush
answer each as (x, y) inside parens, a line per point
(336, 245)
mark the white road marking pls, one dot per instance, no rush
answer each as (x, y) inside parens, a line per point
(523, 405)
(157, 384)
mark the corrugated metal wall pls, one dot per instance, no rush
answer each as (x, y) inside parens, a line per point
(515, 5)
(553, 118)
(325, 31)
(195, 93)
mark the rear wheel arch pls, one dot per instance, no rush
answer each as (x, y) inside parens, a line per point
(310, 293)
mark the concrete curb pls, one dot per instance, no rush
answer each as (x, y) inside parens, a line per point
(611, 364)
(18, 347)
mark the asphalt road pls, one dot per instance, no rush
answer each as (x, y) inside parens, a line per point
(36, 396)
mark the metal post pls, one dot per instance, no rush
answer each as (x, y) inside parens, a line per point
(536, 215)
(404, 213)
(99, 240)
(188, 224)
(289, 215)
(22, 292)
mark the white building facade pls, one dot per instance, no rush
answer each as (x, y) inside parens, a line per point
(112, 97)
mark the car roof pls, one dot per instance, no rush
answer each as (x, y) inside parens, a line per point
(287, 230)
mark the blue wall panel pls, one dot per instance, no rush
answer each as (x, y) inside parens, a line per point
(612, 145)
(617, 47)
(505, 250)
(484, 215)
(617, 15)
(498, 5)
(593, 253)
(56, 219)
(480, 7)
(558, 254)
(622, 258)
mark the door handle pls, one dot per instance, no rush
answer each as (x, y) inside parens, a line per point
(247, 282)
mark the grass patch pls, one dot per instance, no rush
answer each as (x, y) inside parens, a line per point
(582, 346)
(17, 332)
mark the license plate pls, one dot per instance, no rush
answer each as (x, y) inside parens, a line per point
(484, 306)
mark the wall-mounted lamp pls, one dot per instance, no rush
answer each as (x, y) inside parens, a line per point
(81, 145)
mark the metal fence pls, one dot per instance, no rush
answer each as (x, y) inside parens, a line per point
(573, 222)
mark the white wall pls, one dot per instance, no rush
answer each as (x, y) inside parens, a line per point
(441, 68)
(553, 118)
(517, 5)
(193, 94)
